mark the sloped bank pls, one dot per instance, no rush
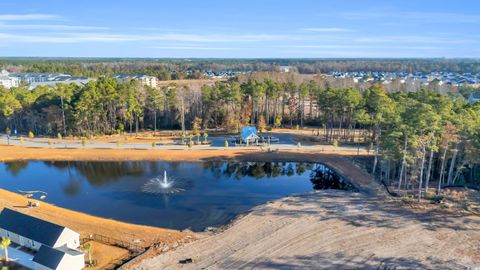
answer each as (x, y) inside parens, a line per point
(332, 230)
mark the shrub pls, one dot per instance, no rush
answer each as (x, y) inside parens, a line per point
(205, 136)
(335, 143)
(278, 121)
(121, 128)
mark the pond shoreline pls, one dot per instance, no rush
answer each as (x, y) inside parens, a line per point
(200, 194)
(337, 160)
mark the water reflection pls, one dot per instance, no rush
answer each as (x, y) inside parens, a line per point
(257, 170)
(212, 192)
(323, 177)
(73, 187)
(16, 167)
(102, 173)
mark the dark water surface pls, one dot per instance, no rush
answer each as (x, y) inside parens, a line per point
(206, 193)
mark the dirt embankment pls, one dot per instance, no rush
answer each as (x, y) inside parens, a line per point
(12, 153)
(333, 230)
(86, 224)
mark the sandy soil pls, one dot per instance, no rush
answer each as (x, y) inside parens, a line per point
(10, 153)
(105, 255)
(333, 230)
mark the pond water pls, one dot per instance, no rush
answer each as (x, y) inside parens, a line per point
(201, 194)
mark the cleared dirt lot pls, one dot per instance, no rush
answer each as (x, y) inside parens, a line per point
(334, 230)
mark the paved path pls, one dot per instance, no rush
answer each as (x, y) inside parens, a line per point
(286, 143)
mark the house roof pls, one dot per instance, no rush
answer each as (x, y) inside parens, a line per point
(49, 257)
(475, 95)
(248, 132)
(30, 227)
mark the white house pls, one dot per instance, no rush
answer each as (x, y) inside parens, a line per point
(7, 81)
(150, 81)
(146, 80)
(55, 246)
(58, 258)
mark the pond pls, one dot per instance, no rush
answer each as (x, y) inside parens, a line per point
(193, 195)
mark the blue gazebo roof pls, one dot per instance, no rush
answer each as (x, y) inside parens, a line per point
(248, 132)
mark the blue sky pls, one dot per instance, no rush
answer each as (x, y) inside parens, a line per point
(240, 29)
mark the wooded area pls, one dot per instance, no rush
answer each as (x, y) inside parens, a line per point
(173, 69)
(417, 137)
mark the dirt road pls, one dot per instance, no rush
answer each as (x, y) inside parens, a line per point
(333, 230)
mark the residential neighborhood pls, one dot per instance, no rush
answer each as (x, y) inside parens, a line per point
(9, 80)
(449, 78)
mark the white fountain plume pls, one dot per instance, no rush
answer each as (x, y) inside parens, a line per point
(166, 185)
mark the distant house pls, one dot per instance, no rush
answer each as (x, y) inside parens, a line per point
(249, 135)
(55, 246)
(8, 81)
(285, 69)
(474, 97)
(150, 81)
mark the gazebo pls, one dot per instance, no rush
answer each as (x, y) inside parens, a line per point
(249, 135)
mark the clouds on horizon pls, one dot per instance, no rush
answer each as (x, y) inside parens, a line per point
(318, 41)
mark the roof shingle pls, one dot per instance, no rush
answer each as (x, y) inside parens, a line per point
(30, 227)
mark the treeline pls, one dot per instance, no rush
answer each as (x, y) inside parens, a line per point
(172, 69)
(416, 137)
(389, 65)
(424, 137)
(164, 70)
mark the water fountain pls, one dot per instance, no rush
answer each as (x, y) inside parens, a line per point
(163, 185)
